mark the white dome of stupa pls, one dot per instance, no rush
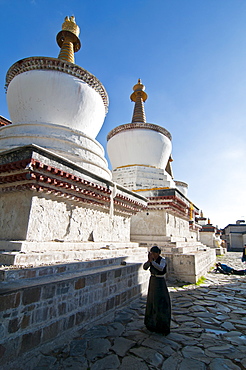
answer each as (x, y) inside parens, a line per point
(138, 142)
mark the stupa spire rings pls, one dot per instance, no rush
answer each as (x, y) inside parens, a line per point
(68, 39)
(139, 96)
(138, 91)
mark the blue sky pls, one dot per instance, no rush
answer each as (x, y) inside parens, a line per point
(191, 56)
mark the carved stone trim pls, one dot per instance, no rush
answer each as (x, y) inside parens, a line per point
(44, 63)
(139, 125)
(170, 202)
(30, 174)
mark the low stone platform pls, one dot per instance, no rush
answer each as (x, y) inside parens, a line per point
(208, 332)
(46, 303)
(26, 253)
(187, 261)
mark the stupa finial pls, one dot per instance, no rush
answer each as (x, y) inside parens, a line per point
(68, 39)
(139, 96)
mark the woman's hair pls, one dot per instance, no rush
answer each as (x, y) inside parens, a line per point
(155, 249)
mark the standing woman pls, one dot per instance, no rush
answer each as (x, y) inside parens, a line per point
(158, 308)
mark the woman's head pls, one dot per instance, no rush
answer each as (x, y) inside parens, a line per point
(155, 249)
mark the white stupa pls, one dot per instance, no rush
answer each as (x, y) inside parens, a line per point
(140, 152)
(57, 105)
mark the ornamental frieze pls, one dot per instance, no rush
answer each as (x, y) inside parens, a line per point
(44, 63)
(139, 125)
(31, 174)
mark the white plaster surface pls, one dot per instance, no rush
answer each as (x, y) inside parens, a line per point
(44, 218)
(139, 146)
(142, 177)
(61, 140)
(157, 224)
(55, 97)
(188, 259)
(190, 267)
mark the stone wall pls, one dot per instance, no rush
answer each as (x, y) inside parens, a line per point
(148, 226)
(47, 199)
(155, 225)
(207, 238)
(45, 217)
(177, 226)
(190, 267)
(41, 305)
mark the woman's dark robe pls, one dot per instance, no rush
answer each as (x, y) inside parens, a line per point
(158, 308)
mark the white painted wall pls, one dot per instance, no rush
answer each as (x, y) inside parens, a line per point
(142, 177)
(45, 218)
(71, 144)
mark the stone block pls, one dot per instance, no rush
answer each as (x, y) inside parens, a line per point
(117, 300)
(112, 289)
(25, 321)
(50, 332)
(100, 308)
(26, 274)
(62, 288)
(48, 291)
(62, 308)
(92, 280)
(61, 269)
(69, 322)
(80, 317)
(110, 303)
(40, 315)
(117, 273)
(31, 295)
(14, 325)
(80, 283)
(30, 340)
(8, 301)
(123, 297)
(46, 271)
(103, 277)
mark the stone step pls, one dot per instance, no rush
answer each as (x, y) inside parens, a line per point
(185, 248)
(14, 274)
(191, 242)
(130, 252)
(54, 257)
(60, 245)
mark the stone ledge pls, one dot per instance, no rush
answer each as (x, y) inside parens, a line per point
(13, 274)
(13, 286)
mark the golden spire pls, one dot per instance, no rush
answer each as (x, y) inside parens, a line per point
(68, 39)
(139, 97)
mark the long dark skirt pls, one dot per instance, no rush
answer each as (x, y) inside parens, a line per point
(158, 308)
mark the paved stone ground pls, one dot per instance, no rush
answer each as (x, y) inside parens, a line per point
(208, 332)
